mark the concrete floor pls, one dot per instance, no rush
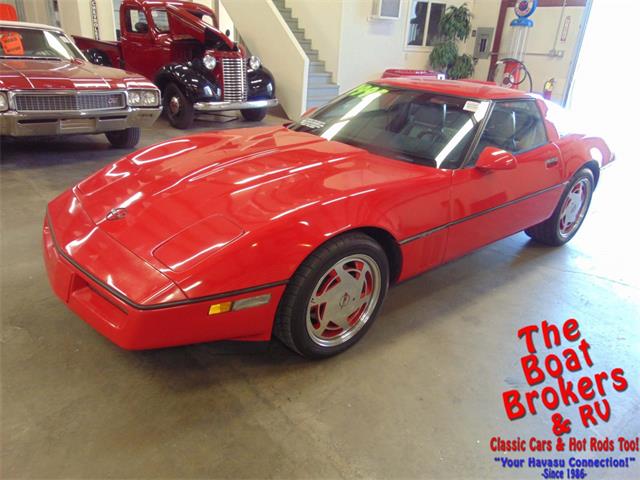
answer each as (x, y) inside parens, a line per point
(419, 397)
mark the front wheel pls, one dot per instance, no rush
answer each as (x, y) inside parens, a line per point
(254, 114)
(127, 138)
(179, 109)
(569, 213)
(334, 296)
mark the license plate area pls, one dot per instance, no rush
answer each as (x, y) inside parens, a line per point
(71, 124)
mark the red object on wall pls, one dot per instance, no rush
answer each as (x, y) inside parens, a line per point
(8, 12)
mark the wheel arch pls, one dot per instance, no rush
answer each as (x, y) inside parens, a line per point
(595, 169)
(383, 237)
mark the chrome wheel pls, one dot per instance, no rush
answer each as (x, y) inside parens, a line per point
(343, 300)
(574, 208)
(174, 105)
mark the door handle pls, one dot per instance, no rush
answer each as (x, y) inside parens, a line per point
(552, 162)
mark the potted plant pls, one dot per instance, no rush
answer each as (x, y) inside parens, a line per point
(455, 25)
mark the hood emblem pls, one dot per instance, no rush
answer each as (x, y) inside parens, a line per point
(116, 214)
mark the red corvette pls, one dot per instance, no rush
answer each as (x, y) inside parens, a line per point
(300, 230)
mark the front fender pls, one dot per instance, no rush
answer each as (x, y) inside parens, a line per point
(193, 84)
(261, 84)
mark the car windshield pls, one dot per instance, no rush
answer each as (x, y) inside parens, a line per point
(411, 125)
(18, 42)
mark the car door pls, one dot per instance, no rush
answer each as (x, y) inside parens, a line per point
(136, 41)
(489, 205)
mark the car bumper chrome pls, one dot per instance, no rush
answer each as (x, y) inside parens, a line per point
(221, 106)
(24, 124)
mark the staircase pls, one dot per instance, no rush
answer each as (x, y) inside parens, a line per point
(320, 88)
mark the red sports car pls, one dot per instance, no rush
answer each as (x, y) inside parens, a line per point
(299, 231)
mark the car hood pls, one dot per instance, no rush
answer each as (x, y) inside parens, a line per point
(184, 23)
(221, 185)
(64, 75)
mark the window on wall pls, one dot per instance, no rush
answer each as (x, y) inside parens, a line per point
(424, 23)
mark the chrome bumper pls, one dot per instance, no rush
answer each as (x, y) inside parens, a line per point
(220, 106)
(23, 124)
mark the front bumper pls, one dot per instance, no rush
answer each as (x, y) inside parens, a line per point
(24, 124)
(139, 327)
(222, 106)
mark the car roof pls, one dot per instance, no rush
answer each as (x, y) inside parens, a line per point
(459, 88)
(39, 26)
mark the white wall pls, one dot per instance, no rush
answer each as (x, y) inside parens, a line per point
(540, 42)
(485, 14)
(368, 47)
(268, 36)
(322, 22)
(75, 18)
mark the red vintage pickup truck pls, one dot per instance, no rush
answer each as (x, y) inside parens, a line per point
(198, 68)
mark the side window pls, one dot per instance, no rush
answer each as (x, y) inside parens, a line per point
(513, 126)
(160, 20)
(136, 21)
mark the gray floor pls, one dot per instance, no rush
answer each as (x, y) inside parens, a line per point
(420, 396)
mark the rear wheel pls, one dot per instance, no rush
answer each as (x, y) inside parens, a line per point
(127, 138)
(178, 108)
(334, 296)
(254, 114)
(569, 213)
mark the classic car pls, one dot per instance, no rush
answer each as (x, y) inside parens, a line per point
(47, 87)
(300, 230)
(197, 67)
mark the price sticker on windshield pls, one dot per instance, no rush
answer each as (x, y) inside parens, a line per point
(470, 106)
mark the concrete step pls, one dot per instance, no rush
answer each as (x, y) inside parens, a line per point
(322, 78)
(317, 66)
(293, 24)
(322, 91)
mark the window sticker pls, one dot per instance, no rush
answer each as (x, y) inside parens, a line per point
(11, 43)
(470, 106)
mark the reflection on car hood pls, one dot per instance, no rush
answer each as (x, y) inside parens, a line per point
(248, 176)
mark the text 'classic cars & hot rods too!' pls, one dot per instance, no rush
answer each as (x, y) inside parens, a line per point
(47, 87)
(299, 230)
(198, 68)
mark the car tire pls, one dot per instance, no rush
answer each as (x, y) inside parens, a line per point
(343, 281)
(254, 114)
(569, 213)
(127, 138)
(178, 107)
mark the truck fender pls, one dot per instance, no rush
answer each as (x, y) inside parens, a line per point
(194, 85)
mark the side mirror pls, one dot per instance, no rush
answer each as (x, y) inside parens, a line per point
(141, 27)
(492, 158)
(227, 32)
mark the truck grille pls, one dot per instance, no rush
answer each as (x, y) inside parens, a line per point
(69, 102)
(234, 74)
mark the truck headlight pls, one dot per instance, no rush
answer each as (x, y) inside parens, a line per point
(254, 62)
(144, 98)
(4, 102)
(209, 61)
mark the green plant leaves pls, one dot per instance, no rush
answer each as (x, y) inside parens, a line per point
(455, 25)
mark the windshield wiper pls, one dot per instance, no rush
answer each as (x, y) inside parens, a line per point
(30, 57)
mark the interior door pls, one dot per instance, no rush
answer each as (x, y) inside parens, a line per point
(489, 205)
(136, 41)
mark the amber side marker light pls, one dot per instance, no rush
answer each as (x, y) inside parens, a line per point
(225, 307)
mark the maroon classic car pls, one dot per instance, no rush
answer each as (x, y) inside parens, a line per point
(47, 87)
(197, 67)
